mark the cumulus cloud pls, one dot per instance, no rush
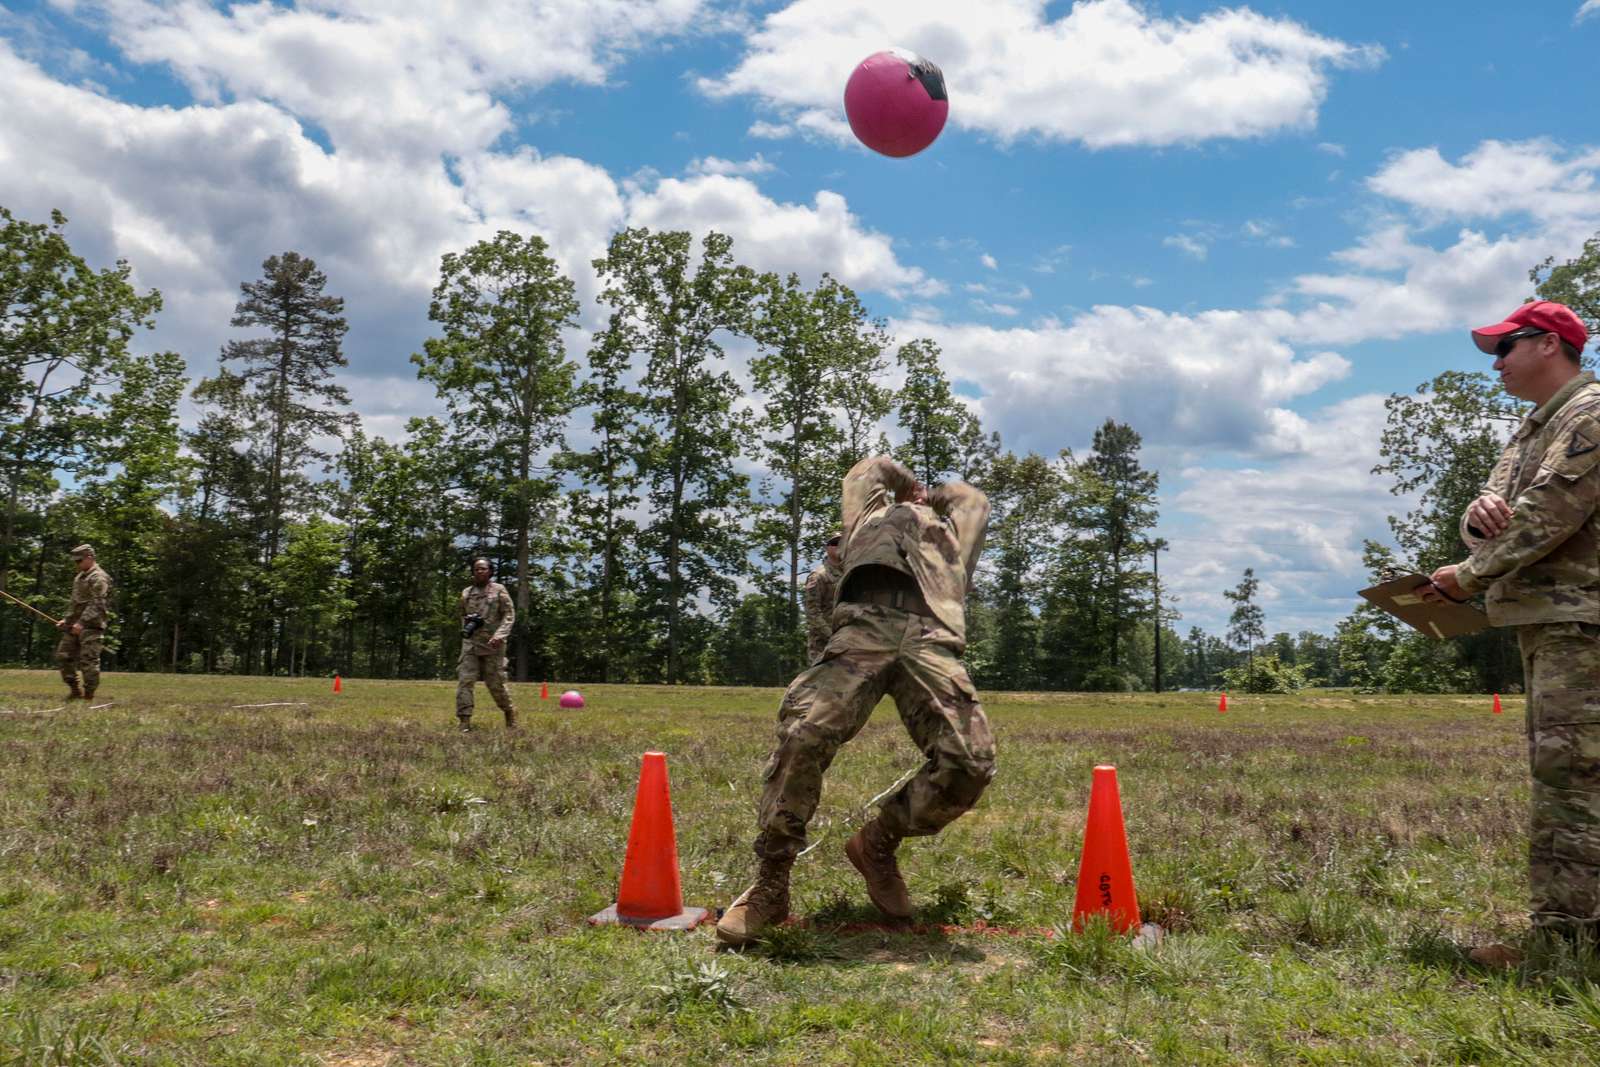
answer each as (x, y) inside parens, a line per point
(729, 168)
(770, 235)
(1104, 73)
(1494, 180)
(197, 196)
(1299, 522)
(1589, 9)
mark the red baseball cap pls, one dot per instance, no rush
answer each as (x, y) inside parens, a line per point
(1546, 315)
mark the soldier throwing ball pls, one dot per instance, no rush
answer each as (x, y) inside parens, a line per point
(486, 617)
(899, 628)
(84, 628)
(1535, 540)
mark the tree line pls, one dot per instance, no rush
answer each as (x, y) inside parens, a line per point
(652, 505)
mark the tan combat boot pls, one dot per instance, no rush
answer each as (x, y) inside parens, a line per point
(871, 850)
(1498, 957)
(763, 905)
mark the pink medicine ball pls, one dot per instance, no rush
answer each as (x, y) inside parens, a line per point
(896, 102)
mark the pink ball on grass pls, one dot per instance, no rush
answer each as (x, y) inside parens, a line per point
(896, 102)
(572, 699)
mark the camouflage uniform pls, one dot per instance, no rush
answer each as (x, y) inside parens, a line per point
(821, 593)
(1542, 575)
(910, 652)
(79, 654)
(479, 662)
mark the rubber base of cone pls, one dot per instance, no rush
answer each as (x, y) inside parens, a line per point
(687, 919)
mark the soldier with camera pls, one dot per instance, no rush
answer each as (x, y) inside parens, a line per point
(486, 617)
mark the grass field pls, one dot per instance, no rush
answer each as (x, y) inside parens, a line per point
(353, 882)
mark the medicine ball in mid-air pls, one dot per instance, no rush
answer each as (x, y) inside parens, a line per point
(896, 102)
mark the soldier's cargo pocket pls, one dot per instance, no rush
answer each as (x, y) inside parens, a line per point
(1566, 739)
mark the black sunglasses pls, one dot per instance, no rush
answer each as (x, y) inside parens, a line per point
(1503, 349)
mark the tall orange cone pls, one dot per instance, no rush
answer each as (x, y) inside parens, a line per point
(1497, 703)
(1222, 705)
(651, 895)
(544, 691)
(1105, 879)
(338, 686)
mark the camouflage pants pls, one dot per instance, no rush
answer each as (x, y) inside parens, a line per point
(477, 664)
(80, 654)
(1561, 665)
(878, 650)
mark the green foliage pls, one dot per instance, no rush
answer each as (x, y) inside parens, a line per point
(501, 368)
(675, 314)
(1264, 674)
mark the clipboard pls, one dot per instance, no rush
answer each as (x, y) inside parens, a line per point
(1398, 596)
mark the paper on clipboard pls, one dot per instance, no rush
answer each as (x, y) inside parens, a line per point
(1399, 597)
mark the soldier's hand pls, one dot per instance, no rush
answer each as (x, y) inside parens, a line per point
(1443, 586)
(62, 625)
(77, 629)
(1489, 513)
(496, 642)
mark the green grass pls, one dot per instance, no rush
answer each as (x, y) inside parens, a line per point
(353, 882)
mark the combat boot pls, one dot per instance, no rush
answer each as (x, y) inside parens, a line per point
(88, 695)
(763, 905)
(74, 693)
(1497, 957)
(511, 718)
(871, 851)
(465, 723)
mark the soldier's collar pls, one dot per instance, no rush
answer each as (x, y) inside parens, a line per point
(1546, 411)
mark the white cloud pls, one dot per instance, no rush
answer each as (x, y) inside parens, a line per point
(1496, 179)
(1105, 73)
(196, 197)
(726, 167)
(1589, 8)
(1189, 245)
(784, 237)
(405, 77)
(1331, 149)
(988, 262)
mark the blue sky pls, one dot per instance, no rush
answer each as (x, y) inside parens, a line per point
(1236, 228)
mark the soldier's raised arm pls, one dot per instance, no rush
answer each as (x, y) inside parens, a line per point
(872, 485)
(967, 508)
(1550, 510)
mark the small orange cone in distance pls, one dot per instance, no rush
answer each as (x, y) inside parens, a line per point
(544, 691)
(1105, 879)
(338, 686)
(1497, 703)
(651, 894)
(1222, 705)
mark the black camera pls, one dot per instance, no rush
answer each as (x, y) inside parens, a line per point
(471, 625)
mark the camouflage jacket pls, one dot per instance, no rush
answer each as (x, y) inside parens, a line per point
(937, 543)
(1545, 565)
(822, 592)
(91, 593)
(494, 604)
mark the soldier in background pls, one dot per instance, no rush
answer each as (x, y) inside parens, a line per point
(1535, 540)
(821, 593)
(486, 618)
(84, 627)
(908, 557)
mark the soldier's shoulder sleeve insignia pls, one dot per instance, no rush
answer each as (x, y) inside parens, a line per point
(1582, 441)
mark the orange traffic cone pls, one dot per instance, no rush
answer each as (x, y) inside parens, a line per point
(544, 691)
(1105, 880)
(338, 686)
(1222, 705)
(651, 896)
(1497, 703)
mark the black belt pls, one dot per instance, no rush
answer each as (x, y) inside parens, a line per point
(887, 587)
